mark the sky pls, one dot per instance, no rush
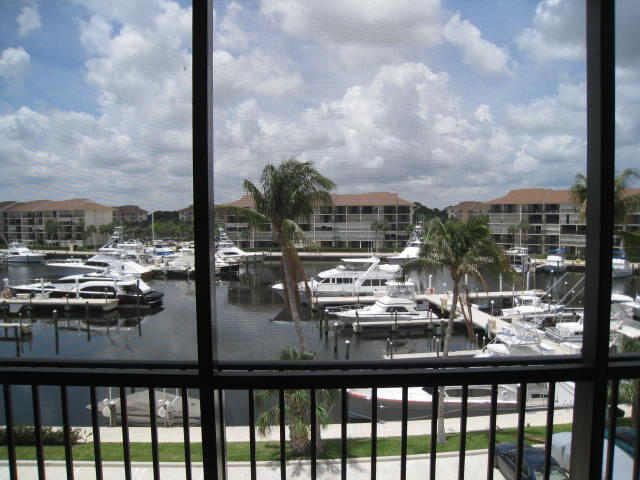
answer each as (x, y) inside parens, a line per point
(440, 101)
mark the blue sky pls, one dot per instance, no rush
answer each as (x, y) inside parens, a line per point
(438, 100)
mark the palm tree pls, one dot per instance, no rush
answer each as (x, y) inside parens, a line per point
(89, 232)
(51, 227)
(379, 226)
(290, 191)
(623, 203)
(297, 404)
(463, 248)
(518, 230)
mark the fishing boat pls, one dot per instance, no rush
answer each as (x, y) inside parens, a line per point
(102, 262)
(554, 263)
(228, 251)
(20, 253)
(412, 249)
(385, 309)
(519, 259)
(528, 306)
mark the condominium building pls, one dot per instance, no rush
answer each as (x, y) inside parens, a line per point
(464, 210)
(548, 220)
(129, 214)
(364, 220)
(45, 222)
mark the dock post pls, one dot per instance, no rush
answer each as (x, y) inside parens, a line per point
(86, 309)
(347, 345)
(88, 329)
(388, 346)
(335, 337)
(437, 347)
(391, 349)
(500, 282)
(5, 308)
(358, 328)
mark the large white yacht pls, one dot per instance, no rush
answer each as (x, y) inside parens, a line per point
(20, 253)
(353, 277)
(385, 309)
(128, 290)
(101, 262)
(227, 250)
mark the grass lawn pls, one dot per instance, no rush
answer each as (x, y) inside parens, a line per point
(270, 451)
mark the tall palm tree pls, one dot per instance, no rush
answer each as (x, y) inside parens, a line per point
(380, 226)
(623, 203)
(290, 191)
(463, 248)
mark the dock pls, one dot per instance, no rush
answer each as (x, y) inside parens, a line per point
(105, 305)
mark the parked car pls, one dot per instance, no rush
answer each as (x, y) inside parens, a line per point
(622, 461)
(532, 463)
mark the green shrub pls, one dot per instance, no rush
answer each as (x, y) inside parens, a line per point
(26, 435)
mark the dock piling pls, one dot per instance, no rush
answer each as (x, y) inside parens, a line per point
(347, 345)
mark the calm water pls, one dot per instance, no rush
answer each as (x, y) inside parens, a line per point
(251, 324)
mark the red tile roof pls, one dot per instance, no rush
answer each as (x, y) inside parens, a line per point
(49, 205)
(534, 195)
(345, 200)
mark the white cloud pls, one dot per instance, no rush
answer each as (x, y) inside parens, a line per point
(558, 32)
(478, 53)
(360, 30)
(28, 20)
(14, 63)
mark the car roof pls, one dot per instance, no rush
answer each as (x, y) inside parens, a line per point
(533, 456)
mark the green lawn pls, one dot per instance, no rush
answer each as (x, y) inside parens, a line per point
(239, 451)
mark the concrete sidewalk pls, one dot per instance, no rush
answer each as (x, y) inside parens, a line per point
(358, 469)
(354, 430)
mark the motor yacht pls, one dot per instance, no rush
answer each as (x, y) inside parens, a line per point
(528, 306)
(227, 249)
(353, 277)
(128, 290)
(20, 253)
(385, 309)
(620, 267)
(102, 262)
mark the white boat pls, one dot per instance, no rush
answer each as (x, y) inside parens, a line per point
(478, 400)
(229, 251)
(102, 262)
(554, 263)
(624, 306)
(353, 277)
(620, 267)
(527, 306)
(20, 253)
(519, 259)
(119, 247)
(412, 250)
(385, 309)
(128, 290)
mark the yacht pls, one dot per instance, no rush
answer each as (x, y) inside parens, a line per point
(478, 397)
(228, 250)
(527, 306)
(118, 246)
(128, 290)
(554, 263)
(519, 259)
(412, 250)
(385, 309)
(353, 277)
(20, 253)
(102, 262)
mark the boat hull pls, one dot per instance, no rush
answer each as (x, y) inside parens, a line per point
(24, 258)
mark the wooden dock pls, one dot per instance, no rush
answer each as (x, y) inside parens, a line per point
(105, 305)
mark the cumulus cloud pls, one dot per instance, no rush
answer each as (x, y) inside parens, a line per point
(360, 30)
(558, 32)
(477, 52)
(28, 20)
(14, 63)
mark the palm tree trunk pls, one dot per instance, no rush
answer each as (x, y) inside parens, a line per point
(445, 353)
(291, 292)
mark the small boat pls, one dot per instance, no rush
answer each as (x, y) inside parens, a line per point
(519, 259)
(479, 400)
(385, 309)
(20, 253)
(353, 277)
(168, 409)
(554, 263)
(130, 291)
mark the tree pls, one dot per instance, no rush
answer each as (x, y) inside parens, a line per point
(51, 227)
(290, 191)
(297, 408)
(623, 203)
(424, 213)
(463, 248)
(89, 232)
(518, 230)
(379, 226)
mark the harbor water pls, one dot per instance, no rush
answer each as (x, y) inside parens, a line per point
(250, 322)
